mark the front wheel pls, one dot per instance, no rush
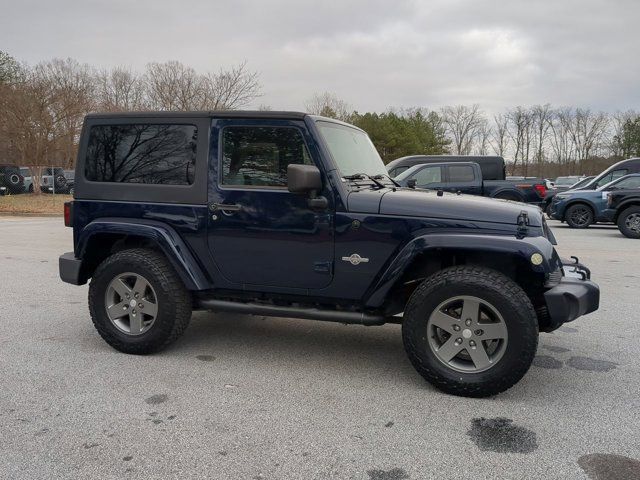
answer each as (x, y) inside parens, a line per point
(629, 222)
(579, 216)
(137, 302)
(470, 331)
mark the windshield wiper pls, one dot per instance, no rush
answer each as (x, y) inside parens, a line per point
(381, 175)
(361, 176)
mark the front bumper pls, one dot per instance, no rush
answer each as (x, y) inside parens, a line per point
(574, 296)
(71, 269)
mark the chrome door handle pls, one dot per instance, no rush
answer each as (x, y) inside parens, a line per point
(225, 207)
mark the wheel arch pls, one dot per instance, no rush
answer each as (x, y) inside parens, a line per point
(104, 237)
(508, 192)
(427, 255)
(635, 202)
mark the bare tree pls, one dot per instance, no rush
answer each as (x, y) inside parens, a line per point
(520, 130)
(230, 89)
(173, 86)
(500, 135)
(482, 141)
(462, 124)
(328, 105)
(120, 89)
(587, 130)
(561, 142)
(542, 122)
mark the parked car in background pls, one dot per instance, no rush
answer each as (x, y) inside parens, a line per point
(54, 180)
(493, 167)
(466, 177)
(70, 176)
(617, 170)
(581, 208)
(28, 179)
(11, 179)
(562, 188)
(568, 181)
(623, 209)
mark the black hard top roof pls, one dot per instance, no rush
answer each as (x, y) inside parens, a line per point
(203, 114)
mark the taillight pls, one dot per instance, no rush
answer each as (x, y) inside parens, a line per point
(541, 189)
(68, 214)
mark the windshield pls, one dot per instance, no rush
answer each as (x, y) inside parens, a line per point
(352, 150)
(582, 182)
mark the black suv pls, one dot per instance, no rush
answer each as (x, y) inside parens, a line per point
(293, 215)
(623, 209)
(11, 179)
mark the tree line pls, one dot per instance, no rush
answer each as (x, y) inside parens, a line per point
(42, 108)
(539, 140)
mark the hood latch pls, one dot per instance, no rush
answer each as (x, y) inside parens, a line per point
(523, 224)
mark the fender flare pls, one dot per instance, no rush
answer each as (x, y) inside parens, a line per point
(512, 191)
(522, 248)
(632, 202)
(161, 234)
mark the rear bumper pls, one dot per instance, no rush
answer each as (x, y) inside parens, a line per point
(71, 269)
(573, 297)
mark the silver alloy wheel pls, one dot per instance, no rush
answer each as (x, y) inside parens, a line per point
(467, 334)
(131, 303)
(632, 222)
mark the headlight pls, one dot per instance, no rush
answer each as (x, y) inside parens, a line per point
(560, 197)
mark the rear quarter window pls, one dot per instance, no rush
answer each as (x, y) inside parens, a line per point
(159, 154)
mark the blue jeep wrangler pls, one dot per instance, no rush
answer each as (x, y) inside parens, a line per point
(293, 215)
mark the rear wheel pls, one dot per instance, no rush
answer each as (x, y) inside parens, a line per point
(137, 302)
(579, 216)
(470, 331)
(629, 222)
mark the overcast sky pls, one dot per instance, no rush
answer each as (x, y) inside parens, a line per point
(373, 54)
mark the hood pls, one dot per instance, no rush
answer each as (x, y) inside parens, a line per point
(425, 203)
(582, 193)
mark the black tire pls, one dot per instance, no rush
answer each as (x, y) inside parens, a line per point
(547, 210)
(627, 222)
(490, 286)
(579, 215)
(173, 301)
(31, 188)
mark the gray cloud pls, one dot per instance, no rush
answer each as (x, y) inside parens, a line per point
(373, 54)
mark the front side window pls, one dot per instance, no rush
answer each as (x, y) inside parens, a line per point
(428, 175)
(259, 156)
(632, 182)
(160, 154)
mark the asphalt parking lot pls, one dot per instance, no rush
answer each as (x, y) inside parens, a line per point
(249, 397)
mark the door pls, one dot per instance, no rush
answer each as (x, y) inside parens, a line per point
(259, 233)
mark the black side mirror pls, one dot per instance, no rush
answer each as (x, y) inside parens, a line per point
(303, 178)
(411, 183)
